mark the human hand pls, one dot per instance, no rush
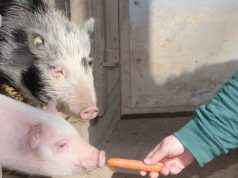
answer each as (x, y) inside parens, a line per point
(172, 154)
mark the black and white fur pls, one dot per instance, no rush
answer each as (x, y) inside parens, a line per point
(44, 55)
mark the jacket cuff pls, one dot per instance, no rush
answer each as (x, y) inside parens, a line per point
(197, 142)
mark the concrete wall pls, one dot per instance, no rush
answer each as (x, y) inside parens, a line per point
(178, 53)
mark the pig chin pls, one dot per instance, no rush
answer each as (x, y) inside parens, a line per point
(78, 170)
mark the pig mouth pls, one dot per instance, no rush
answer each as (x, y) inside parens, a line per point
(99, 162)
(80, 169)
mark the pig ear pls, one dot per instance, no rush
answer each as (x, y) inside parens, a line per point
(35, 39)
(89, 26)
(35, 134)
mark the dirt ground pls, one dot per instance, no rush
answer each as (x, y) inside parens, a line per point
(133, 139)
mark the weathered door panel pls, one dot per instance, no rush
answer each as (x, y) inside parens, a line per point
(180, 52)
(106, 71)
(105, 50)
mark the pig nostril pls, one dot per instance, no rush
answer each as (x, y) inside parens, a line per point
(91, 111)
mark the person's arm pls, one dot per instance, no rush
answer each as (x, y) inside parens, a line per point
(213, 129)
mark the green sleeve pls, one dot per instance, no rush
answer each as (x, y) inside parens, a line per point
(213, 129)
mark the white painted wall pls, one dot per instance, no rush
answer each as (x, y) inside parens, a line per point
(180, 53)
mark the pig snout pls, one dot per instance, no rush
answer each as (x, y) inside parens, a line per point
(89, 113)
(101, 159)
(95, 160)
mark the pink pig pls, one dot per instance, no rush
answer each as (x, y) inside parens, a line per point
(36, 142)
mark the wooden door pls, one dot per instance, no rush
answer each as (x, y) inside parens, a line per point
(106, 53)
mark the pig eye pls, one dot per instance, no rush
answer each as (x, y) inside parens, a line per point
(62, 145)
(87, 62)
(90, 62)
(38, 40)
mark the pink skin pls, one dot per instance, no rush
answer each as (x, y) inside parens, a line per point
(86, 114)
(59, 72)
(67, 149)
(172, 154)
(37, 142)
(89, 113)
(102, 159)
(95, 159)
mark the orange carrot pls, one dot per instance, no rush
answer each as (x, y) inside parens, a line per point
(134, 164)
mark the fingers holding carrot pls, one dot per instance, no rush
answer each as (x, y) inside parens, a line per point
(172, 154)
(168, 158)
